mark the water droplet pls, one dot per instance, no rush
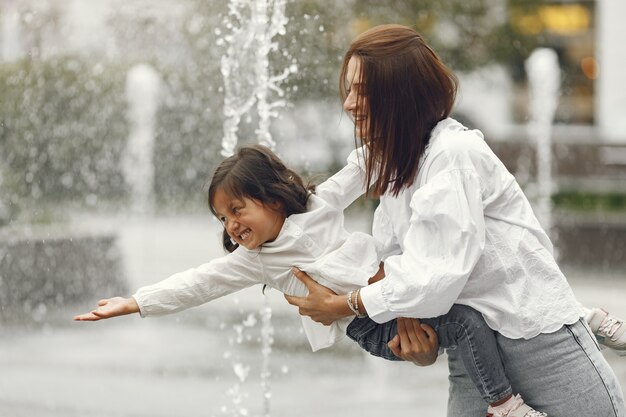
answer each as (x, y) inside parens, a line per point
(250, 320)
(241, 371)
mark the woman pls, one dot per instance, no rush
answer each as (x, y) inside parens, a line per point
(455, 227)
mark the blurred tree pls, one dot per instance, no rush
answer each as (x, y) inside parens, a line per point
(61, 130)
(466, 34)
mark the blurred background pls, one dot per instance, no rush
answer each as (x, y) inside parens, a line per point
(114, 113)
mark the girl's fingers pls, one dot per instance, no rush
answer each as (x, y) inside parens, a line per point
(99, 314)
(86, 317)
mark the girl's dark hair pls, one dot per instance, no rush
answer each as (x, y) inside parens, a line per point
(407, 90)
(255, 172)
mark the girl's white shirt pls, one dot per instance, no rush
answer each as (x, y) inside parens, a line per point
(315, 241)
(465, 233)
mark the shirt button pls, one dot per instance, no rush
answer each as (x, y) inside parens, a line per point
(298, 232)
(308, 243)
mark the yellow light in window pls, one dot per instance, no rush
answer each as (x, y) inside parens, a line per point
(566, 19)
(589, 67)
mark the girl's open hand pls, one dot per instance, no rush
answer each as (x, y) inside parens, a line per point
(415, 342)
(110, 307)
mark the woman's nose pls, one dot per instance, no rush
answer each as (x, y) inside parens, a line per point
(350, 103)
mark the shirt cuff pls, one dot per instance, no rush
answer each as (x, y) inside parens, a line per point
(137, 297)
(374, 303)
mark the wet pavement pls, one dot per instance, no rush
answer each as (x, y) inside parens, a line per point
(189, 364)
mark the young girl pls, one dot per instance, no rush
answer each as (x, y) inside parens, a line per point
(272, 222)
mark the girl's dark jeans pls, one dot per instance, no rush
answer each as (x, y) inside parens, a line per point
(462, 328)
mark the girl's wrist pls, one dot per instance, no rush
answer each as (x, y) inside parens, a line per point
(131, 305)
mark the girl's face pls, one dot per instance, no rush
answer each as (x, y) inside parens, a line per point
(356, 109)
(248, 222)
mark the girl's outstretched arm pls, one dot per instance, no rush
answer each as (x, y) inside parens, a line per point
(110, 307)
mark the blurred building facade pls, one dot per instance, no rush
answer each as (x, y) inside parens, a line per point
(585, 33)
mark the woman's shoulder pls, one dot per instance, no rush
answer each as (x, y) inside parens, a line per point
(450, 136)
(457, 147)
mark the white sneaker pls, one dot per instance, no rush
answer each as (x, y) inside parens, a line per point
(610, 331)
(517, 408)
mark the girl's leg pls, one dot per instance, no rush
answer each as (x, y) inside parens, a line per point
(465, 330)
(563, 373)
(373, 337)
(464, 400)
(462, 328)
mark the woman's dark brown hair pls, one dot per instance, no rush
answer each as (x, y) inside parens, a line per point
(407, 90)
(255, 172)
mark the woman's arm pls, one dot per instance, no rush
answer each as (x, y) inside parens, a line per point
(415, 342)
(321, 303)
(348, 184)
(444, 240)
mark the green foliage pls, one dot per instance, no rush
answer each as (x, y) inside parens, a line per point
(581, 201)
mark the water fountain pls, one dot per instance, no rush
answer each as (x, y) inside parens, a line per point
(248, 79)
(251, 28)
(142, 95)
(178, 364)
(544, 77)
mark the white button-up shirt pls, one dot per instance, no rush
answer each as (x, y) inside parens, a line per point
(315, 241)
(465, 233)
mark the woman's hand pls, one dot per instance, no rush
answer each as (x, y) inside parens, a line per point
(110, 307)
(415, 342)
(379, 275)
(321, 304)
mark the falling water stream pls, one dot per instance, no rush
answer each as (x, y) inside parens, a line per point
(250, 29)
(143, 85)
(544, 78)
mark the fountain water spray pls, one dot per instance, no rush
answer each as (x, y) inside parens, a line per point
(251, 28)
(248, 79)
(544, 77)
(142, 93)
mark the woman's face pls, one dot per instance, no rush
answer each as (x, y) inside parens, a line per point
(357, 110)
